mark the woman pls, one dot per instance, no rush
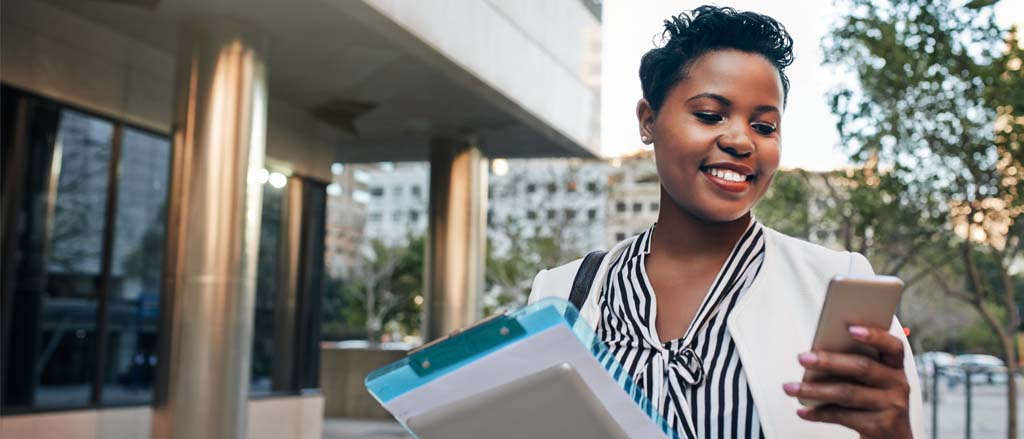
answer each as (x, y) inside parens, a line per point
(710, 312)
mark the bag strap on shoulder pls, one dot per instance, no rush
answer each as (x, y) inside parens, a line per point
(585, 278)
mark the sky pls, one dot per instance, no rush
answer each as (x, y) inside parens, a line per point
(810, 140)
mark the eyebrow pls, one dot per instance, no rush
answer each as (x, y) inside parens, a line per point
(725, 101)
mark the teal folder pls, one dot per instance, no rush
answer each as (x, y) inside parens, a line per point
(503, 371)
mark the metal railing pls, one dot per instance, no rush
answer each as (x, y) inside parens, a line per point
(953, 377)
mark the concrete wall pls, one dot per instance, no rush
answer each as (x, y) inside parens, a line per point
(299, 417)
(52, 52)
(548, 37)
(342, 373)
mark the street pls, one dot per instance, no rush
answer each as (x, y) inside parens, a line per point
(988, 410)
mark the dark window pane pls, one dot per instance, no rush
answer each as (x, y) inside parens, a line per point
(620, 207)
(267, 288)
(637, 207)
(531, 188)
(136, 270)
(53, 350)
(592, 214)
(67, 353)
(620, 236)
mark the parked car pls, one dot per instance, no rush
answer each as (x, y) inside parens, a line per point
(985, 369)
(927, 361)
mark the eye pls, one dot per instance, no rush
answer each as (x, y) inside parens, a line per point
(763, 128)
(708, 118)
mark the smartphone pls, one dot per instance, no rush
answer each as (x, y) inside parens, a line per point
(852, 300)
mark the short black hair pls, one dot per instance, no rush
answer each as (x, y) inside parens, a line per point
(692, 34)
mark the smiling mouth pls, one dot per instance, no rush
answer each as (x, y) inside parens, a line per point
(727, 175)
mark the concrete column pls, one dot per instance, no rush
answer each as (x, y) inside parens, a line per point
(456, 237)
(212, 233)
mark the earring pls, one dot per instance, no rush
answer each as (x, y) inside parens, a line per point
(643, 139)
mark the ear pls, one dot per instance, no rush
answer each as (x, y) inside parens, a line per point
(645, 118)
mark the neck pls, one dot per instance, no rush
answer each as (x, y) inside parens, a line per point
(682, 236)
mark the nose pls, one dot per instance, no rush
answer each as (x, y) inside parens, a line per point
(736, 142)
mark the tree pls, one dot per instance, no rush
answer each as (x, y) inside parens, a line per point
(936, 118)
(381, 292)
(787, 205)
(519, 246)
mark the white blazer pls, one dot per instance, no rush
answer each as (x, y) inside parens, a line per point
(773, 322)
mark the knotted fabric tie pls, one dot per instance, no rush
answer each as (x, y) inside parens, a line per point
(687, 365)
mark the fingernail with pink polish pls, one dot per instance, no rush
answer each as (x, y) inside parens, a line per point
(807, 358)
(803, 412)
(791, 388)
(858, 331)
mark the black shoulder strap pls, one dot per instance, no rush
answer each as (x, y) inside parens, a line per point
(585, 278)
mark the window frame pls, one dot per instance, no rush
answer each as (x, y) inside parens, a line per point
(102, 318)
(305, 360)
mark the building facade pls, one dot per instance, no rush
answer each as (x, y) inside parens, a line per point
(634, 196)
(166, 166)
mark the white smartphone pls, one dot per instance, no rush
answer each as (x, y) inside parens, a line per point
(852, 300)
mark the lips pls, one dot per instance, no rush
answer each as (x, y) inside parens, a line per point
(730, 177)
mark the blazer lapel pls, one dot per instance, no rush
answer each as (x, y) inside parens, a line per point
(770, 327)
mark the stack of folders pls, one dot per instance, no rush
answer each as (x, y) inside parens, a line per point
(536, 372)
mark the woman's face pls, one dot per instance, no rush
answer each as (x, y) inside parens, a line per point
(718, 134)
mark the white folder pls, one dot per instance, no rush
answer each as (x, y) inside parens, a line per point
(537, 372)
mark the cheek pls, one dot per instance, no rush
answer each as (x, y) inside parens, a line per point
(770, 156)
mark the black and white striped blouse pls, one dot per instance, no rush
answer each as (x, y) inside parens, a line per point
(697, 382)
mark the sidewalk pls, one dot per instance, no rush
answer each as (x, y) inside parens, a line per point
(341, 428)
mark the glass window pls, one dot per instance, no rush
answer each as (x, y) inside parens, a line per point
(531, 214)
(592, 187)
(267, 280)
(570, 214)
(654, 207)
(592, 214)
(531, 188)
(377, 192)
(416, 191)
(551, 214)
(137, 267)
(552, 188)
(66, 354)
(52, 358)
(620, 236)
(620, 207)
(638, 207)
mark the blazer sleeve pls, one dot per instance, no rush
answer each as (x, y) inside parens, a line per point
(538, 282)
(860, 266)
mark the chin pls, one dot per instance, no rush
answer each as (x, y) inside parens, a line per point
(715, 212)
(712, 215)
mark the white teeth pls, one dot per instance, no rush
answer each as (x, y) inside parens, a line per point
(726, 174)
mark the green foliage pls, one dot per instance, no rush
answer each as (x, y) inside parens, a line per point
(927, 73)
(510, 272)
(977, 338)
(381, 294)
(786, 206)
(934, 121)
